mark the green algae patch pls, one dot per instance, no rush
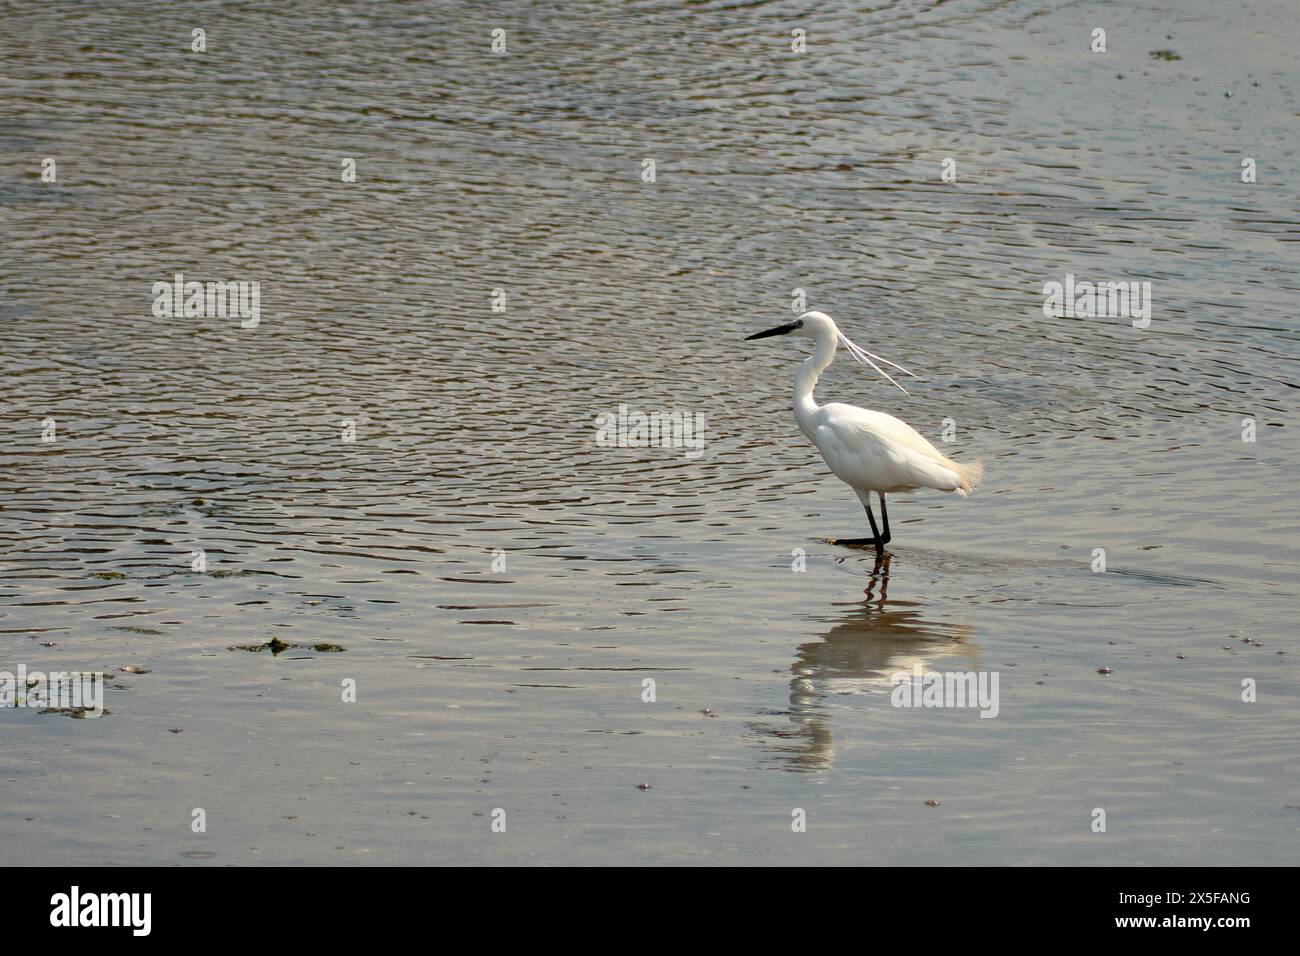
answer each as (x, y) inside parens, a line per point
(278, 647)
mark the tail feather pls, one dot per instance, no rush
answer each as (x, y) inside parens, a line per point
(969, 475)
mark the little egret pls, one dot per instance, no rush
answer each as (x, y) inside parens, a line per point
(868, 451)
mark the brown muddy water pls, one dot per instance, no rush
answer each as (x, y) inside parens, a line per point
(520, 687)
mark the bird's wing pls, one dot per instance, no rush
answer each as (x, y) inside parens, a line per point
(894, 453)
(883, 426)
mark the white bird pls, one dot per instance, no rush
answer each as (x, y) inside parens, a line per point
(867, 450)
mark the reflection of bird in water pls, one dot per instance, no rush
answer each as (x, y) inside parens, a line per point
(873, 640)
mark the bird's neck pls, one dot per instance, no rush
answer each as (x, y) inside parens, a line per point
(805, 380)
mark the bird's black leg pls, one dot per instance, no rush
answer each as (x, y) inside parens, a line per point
(884, 516)
(875, 539)
(879, 542)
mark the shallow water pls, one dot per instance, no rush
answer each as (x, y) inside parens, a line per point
(521, 687)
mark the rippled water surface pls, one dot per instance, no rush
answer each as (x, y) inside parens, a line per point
(520, 687)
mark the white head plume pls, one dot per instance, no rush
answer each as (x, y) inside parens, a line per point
(865, 357)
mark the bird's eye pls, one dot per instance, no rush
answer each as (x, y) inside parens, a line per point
(798, 324)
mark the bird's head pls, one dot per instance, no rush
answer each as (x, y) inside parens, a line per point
(822, 328)
(810, 325)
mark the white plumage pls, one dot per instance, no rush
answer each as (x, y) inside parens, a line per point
(872, 451)
(867, 450)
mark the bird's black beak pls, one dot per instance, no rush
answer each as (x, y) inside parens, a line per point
(779, 330)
